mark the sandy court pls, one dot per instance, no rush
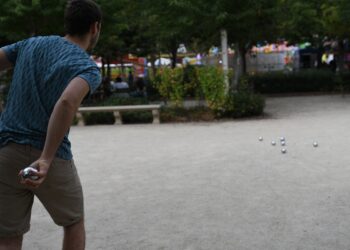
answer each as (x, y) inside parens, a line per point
(214, 185)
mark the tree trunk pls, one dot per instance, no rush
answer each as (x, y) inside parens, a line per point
(107, 79)
(340, 57)
(109, 73)
(173, 57)
(153, 59)
(224, 49)
(243, 52)
(103, 67)
(237, 66)
(122, 65)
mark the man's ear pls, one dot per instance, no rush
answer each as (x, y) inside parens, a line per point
(94, 28)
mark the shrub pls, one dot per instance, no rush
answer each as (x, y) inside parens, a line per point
(152, 92)
(191, 82)
(241, 104)
(303, 81)
(123, 101)
(343, 81)
(98, 118)
(212, 83)
(136, 117)
(179, 114)
(169, 83)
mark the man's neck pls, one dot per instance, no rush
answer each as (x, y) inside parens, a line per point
(82, 42)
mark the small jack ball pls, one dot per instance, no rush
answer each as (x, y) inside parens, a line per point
(273, 143)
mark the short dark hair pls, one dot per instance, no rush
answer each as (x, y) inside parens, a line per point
(79, 15)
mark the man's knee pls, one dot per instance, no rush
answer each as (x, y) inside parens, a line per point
(78, 225)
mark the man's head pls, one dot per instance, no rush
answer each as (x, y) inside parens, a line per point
(83, 18)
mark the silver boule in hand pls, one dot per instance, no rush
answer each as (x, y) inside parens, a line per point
(28, 173)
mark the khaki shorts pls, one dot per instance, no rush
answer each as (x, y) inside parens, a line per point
(60, 193)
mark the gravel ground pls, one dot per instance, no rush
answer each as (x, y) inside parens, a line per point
(215, 185)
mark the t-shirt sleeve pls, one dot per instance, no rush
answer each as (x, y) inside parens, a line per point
(12, 51)
(93, 77)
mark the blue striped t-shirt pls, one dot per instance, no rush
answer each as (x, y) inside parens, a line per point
(43, 67)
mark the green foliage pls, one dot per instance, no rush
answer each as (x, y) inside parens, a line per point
(137, 117)
(118, 101)
(112, 41)
(343, 82)
(299, 20)
(336, 18)
(169, 83)
(22, 18)
(179, 114)
(191, 82)
(151, 90)
(98, 118)
(205, 82)
(241, 104)
(303, 81)
(212, 83)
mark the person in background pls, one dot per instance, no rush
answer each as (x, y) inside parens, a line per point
(119, 84)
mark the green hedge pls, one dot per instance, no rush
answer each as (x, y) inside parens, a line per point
(343, 80)
(303, 81)
(98, 118)
(236, 105)
(241, 104)
(198, 83)
(180, 114)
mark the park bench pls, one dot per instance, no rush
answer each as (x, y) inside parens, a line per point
(155, 108)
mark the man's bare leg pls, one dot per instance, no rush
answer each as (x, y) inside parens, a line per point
(11, 243)
(74, 236)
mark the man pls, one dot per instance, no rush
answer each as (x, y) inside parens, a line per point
(52, 75)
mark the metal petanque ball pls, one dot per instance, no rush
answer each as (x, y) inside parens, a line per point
(315, 144)
(284, 150)
(282, 138)
(273, 143)
(283, 143)
(260, 138)
(28, 173)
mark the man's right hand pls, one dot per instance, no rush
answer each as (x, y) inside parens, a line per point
(43, 167)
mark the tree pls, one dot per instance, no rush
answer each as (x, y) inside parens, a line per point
(299, 20)
(246, 22)
(22, 18)
(336, 23)
(165, 24)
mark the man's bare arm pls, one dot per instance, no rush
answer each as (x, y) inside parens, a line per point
(63, 115)
(59, 123)
(4, 62)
